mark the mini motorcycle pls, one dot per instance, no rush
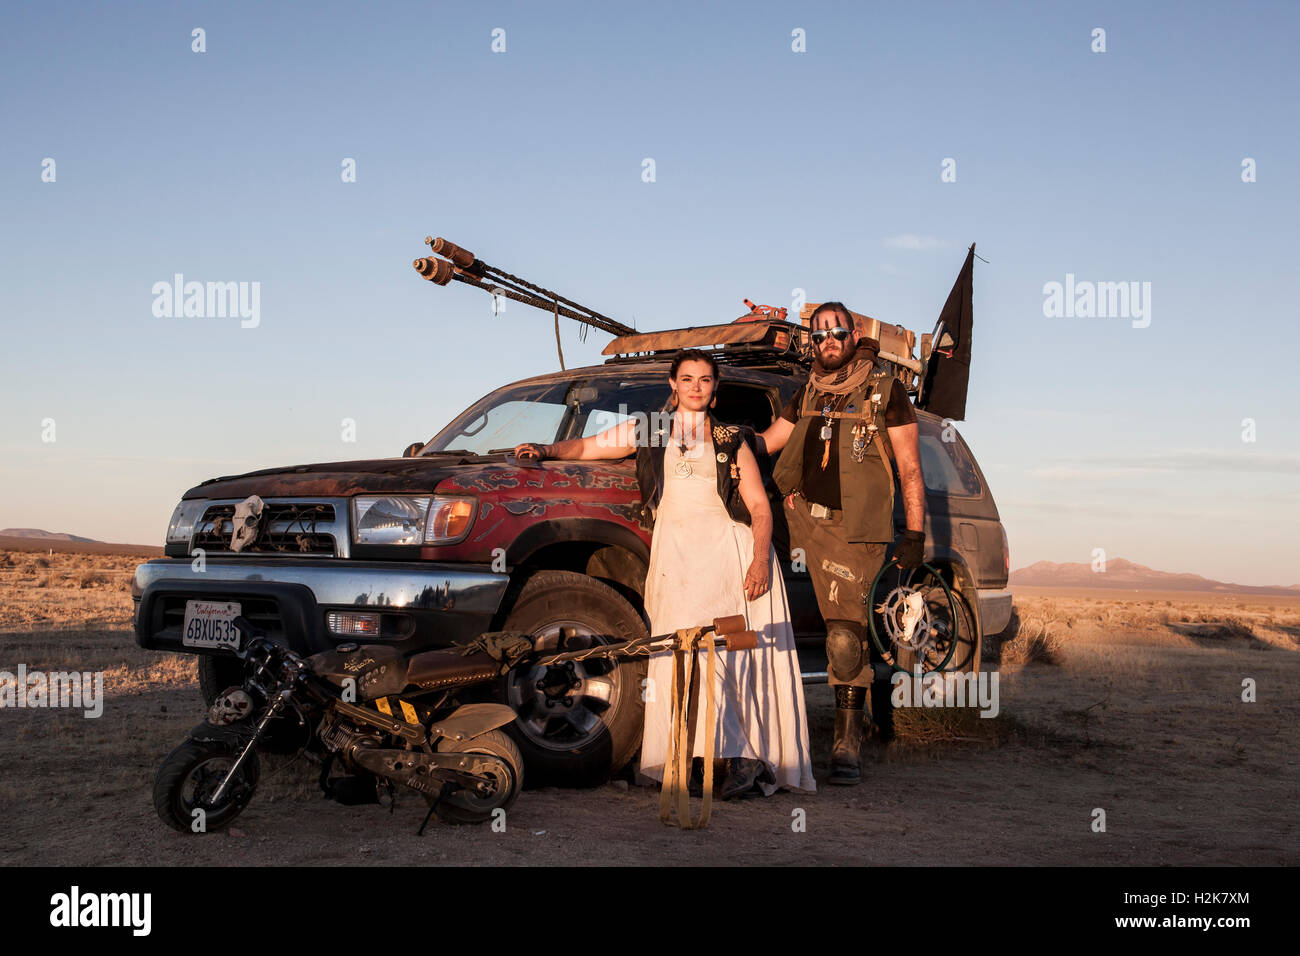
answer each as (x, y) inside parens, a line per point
(375, 720)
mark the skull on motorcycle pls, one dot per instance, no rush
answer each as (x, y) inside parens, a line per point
(233, 704)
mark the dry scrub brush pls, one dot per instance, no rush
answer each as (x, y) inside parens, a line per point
(1035, 641)
(927, 726)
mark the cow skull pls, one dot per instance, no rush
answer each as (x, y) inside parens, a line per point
(247, 515)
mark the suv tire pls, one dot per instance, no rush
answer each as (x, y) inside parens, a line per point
(583, 733)
(216, 674)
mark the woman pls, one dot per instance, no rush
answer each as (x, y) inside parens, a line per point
(711, 556)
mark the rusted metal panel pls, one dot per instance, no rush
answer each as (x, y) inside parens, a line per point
(733, 333)
(330, 479)
(513, 498)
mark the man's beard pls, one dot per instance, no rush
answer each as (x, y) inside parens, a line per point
(848, 352)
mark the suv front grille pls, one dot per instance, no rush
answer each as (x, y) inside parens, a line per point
(287, 527)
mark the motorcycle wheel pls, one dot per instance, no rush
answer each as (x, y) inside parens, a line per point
(462, 806)
(193, 771)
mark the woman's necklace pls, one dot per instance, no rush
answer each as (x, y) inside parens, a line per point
(683, 467)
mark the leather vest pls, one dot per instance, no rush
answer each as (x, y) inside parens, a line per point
(650, 473)
(866, 486)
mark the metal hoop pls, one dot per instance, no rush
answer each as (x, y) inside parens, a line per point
(870, 600)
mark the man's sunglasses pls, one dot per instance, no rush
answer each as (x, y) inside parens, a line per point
(818, 336)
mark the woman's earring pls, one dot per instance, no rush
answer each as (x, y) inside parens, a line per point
(672, 402)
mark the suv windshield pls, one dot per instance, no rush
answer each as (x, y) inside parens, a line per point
(548, 413)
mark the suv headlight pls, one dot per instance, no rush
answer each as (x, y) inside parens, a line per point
(410, 520)
(181, 527)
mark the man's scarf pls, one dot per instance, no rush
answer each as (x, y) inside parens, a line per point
(844, 379)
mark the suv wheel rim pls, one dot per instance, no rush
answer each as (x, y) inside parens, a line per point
(561, 707)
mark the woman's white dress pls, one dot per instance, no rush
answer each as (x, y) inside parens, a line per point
(698, 560)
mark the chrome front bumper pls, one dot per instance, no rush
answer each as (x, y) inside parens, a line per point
(452, 600)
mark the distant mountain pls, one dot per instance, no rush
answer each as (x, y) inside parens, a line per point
(34, 540)
(43, 535)
(1124, 574)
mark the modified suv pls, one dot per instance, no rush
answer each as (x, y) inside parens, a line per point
(457, 537)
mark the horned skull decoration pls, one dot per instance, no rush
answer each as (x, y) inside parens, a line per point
(247, 515)
(233, 704)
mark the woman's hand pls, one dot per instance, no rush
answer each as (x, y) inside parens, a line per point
(531, 450)
(757, 580)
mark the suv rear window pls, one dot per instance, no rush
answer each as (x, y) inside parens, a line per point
(946, 465)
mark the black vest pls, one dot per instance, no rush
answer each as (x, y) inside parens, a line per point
(727, 440)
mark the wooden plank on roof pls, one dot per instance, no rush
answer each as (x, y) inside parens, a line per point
(705, 336)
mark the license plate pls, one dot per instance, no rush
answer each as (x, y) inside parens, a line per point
(210, 624)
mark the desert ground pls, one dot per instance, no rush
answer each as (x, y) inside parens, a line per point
(1128, 703)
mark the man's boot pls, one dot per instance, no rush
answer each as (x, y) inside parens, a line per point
(847, 748)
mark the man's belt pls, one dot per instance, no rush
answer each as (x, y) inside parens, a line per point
(821, 511)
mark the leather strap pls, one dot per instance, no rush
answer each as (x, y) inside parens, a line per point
(676, 767)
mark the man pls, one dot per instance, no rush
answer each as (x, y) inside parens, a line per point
(837, 438)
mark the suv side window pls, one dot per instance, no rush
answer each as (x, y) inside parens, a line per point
(613, 402)
(946, 466)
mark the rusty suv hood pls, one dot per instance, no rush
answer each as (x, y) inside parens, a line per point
(343, 478)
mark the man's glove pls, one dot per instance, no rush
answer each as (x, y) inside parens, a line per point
(910, 550)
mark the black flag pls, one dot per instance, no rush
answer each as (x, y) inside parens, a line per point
(943, 391)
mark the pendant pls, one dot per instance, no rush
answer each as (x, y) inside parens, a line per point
(683, 468)
(826, 433)
(859, 443)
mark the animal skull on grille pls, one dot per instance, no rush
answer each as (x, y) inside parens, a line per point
(233, 704)
(247, 515)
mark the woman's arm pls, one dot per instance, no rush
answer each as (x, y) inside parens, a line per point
(757, 578)
(616, 442)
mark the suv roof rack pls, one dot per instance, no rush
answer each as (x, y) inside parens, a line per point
(759, 342)
(760, 339)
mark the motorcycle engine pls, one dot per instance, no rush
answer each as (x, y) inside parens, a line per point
(344, 739)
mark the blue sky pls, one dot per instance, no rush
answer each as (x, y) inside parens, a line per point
(775, 170)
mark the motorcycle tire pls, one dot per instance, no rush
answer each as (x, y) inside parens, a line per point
(461, 806)
(202, 764)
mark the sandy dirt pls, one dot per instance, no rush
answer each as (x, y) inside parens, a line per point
(1105, 703)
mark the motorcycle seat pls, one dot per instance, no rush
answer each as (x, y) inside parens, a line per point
(448, 667)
